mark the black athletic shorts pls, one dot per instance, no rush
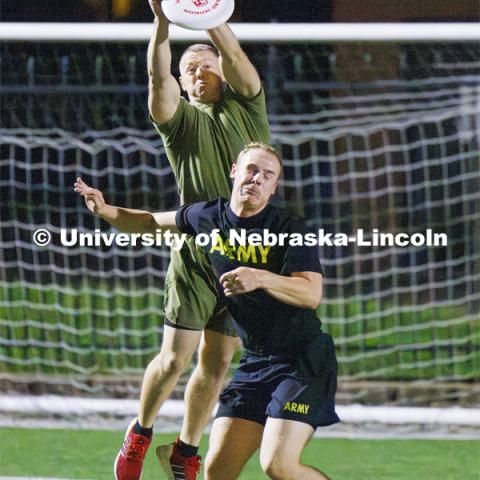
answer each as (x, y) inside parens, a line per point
(293, 388)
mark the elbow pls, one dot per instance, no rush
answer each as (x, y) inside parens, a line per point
(310, 290)
(310, 302)
(313, 303)
(150, 225)
(315, 299)
(234, 57)
(237, 56)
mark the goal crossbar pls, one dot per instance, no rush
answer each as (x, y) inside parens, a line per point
(246, 32)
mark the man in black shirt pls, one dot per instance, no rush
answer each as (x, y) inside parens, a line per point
(285, 385)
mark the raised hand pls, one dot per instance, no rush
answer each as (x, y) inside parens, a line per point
(156, 7)
(93, 197)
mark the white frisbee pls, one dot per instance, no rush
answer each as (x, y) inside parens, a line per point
(198, 14)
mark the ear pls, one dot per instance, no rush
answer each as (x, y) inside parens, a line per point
(274, 191)
(180, 79)
(220, 67)
(233, 170)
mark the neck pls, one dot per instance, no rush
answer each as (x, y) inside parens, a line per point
(204, 102)
(196, 101)
(243, 209)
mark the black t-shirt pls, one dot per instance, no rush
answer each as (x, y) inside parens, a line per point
(266, 325)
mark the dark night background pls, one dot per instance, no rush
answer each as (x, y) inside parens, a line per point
(249, 10)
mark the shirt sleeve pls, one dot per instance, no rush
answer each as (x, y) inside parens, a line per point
(197, 217)
(256, 108)
(257, 102)
(187, 217)
(181, 124)
(301, 258)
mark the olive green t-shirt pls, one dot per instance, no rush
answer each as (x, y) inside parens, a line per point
(203, 140)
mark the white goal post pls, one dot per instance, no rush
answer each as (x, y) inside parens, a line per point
(246, 32)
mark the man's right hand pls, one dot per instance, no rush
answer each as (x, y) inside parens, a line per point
(93, 197)
(124, 219)
(156, 7)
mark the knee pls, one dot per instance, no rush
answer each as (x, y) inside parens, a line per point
(275, 468)
(215, 369)
(215, 363)
(169, 362)
(213, 469)
(208, 467)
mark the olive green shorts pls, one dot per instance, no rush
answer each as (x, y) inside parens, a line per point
(191, 297)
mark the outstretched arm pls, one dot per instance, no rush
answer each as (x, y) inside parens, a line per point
(124, 219)
(163, 89)
(236, 66)
(300, 289)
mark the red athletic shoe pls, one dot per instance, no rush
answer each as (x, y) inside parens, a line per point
(129, 461)
(175, 466)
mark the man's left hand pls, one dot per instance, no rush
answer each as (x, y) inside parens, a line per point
(241, 280)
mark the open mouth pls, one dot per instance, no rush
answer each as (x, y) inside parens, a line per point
(249, 191)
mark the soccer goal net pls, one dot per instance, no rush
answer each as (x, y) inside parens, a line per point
(381, 136)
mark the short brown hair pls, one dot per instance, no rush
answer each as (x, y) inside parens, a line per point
(262, 146)
(199, 47)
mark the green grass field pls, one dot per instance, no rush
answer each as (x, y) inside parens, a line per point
(87, 454)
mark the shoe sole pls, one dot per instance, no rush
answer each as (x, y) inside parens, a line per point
(164, 452)
(118, 455)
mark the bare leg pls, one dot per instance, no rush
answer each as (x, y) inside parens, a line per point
(282, 444)
(163, 372)
(232, 442)
(203, 388)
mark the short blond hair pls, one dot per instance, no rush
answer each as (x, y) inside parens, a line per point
(198, 47)
(265, 147)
